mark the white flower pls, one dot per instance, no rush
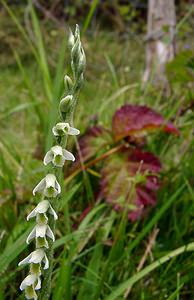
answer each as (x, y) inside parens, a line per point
(61, 129)
(41, 231)
(57, 155)
(36, 257)
(42, 208)
(49, 186)
(30, 284)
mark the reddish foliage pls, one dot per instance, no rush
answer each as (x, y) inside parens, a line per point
(117, 181)
(129, 176)
(137, 120)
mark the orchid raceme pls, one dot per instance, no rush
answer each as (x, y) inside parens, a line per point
(57, 155)
(61, 129)
(49, 187)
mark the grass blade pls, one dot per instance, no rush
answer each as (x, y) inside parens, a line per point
(131, 281)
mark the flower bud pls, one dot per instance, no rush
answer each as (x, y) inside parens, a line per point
(77, 32)
(65, 107)
(81, 63)
(75, 52)
(71, 40)
(66, 103)
(68, 84)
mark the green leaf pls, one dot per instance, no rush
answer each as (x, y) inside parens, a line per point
(129, 180)
(13, 251)
(91, 275)
(132, 280)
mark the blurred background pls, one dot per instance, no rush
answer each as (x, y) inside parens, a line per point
(125, 65)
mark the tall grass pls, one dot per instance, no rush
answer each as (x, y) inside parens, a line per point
(96, 257)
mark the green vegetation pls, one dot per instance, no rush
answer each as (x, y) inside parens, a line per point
(97, 256)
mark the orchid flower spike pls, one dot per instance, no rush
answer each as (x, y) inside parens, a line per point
(40, 232)
(30, 284)
(36, 257)
(61, 129)
(57, 155)
(42, 208)
(49, 186)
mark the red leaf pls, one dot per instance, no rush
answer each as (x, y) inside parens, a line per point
(117, 183)
(137, 120)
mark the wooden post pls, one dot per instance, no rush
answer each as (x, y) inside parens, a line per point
(160, 40)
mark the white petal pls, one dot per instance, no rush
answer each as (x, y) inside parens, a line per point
(46, 262)
(55, 131)
(50, 180)
(57, 150)
(38, 285)
(59, 129)
(42, 207)
(50, 190)
(57, 186)
(37, 256)
(73, 131)
(25, 260)
(50, 234)
(40, 186)
(68, 155)
(52, 212)
(48, 157)
(32, 214)
(31, 235)
(41, 230)
(29, 280)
